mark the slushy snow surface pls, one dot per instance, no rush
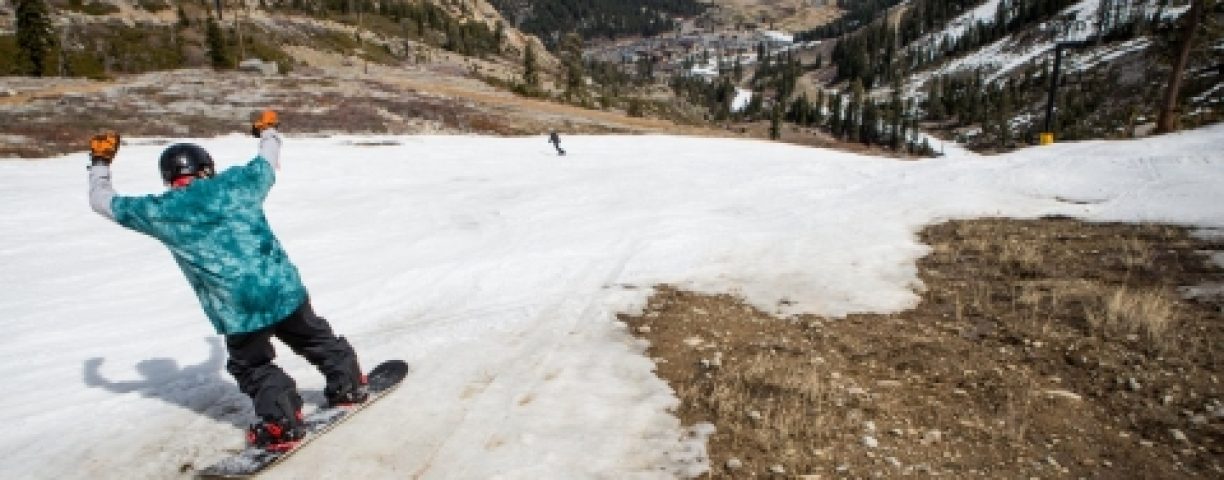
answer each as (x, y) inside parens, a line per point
(495, 268)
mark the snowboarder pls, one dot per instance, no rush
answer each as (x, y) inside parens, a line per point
(214, 226)
(555, 139)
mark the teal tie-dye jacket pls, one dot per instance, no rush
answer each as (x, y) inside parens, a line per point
(216, 230)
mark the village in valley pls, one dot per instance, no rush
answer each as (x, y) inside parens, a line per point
(698, 52)
(721, 40)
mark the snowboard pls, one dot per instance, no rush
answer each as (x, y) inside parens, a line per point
(253, 460)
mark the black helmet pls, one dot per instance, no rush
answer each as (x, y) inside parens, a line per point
(185, 159)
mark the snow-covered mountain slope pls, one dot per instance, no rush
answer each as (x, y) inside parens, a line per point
(1004, 56)
(495, 268)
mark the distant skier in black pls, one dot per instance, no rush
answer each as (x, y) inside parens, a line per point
(555, 139)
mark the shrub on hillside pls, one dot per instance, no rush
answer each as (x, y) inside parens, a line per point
(91, 8)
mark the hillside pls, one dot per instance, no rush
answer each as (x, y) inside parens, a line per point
(595, 19)
(152, 71)
(101, 38)
(979, 72)
(785, 15)
(598, 20)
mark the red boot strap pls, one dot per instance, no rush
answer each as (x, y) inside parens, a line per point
(282, 446)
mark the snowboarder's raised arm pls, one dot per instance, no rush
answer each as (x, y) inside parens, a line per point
(264, 128)
(102, 150)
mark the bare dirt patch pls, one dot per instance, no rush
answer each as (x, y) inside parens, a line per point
(1048, 348)
(789, 15)
(48, 116)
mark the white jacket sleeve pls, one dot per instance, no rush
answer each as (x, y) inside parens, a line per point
(269, 147)
(100, 191)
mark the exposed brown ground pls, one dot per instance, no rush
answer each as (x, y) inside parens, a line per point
(812, 137)
(1041, 349)
(788, 15)
(43, 117)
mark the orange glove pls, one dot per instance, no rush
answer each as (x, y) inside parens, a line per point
(263, 121)
(103, 147)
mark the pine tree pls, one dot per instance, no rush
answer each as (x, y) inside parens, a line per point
(645, 69)
(869, 129)
(835, 115)
(799, 111)
(818, 108)
(895, 115)
(775, 122)
(499, 36)
(216, 45)
(935, 101)
(531, 74)
(854, 111)
(575, 77)
(35, 37)
(1005, 115)
(183, 20)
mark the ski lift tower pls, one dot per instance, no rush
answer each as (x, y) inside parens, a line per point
(1070, 34)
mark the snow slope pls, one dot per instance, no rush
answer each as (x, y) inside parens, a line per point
(1003, 56)
(495, 268)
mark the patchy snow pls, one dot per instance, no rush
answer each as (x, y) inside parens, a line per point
(984, 13)
(742, 98)
(495, 268)
(1207, 94)
(1089, 59)
(1000, 57)
(946, 148)
(1005, 55)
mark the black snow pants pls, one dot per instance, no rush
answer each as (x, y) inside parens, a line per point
(272, 391)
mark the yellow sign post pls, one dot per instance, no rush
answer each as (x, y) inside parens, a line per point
(1047, 138)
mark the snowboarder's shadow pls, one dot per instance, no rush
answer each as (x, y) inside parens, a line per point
(204, 388)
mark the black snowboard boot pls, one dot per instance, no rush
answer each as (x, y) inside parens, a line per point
(276, 435)
(350, 394)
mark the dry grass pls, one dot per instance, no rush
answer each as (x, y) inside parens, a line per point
(1021, 258)
(1048, 348)
(1123, 311)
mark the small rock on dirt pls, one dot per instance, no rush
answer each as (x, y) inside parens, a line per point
(1063, 394)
